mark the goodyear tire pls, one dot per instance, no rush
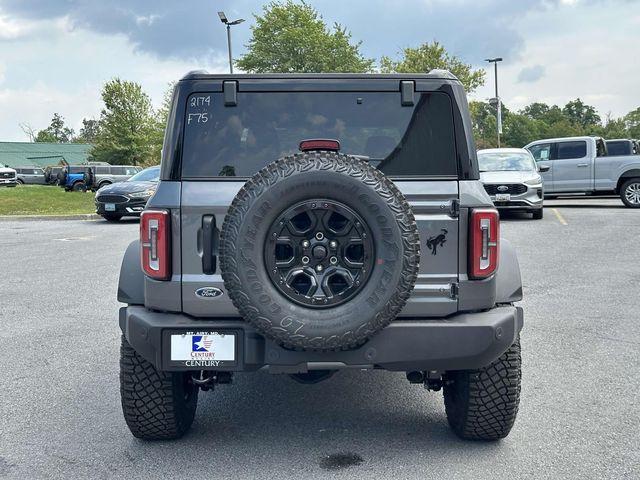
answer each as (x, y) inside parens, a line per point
(360, 232)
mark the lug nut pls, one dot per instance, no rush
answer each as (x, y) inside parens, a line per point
(305, 243)
(305, 259)
(319, 268)
(319, 236)
(333, 244)
(333, 260)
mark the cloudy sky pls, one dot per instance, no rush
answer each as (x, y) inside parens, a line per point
(56, 54)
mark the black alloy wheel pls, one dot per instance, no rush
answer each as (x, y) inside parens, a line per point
(320, 253)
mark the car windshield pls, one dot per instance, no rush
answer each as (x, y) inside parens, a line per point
(505, 162)
(147, 175)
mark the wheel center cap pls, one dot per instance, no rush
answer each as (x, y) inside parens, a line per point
(319, 252)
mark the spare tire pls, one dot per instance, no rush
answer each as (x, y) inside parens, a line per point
(88, 177)
(319, 251)
(62, 178)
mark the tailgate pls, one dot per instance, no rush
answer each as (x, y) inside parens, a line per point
(204, 206)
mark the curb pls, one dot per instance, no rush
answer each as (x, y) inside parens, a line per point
(84, 216)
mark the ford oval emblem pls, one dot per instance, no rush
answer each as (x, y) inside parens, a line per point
(503, 188)
(209, 292)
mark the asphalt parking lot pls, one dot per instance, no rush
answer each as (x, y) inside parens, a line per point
(579, 415)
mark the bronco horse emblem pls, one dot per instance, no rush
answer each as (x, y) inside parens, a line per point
(437, 241)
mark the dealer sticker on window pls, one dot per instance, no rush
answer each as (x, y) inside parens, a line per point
(203, 349)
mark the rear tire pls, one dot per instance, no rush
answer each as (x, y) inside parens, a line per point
(156, 405)
(79, 187)
(482, 404)
(630, 193)
(111, 218)
(538, 214)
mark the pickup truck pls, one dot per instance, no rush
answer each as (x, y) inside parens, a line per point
(582, 165)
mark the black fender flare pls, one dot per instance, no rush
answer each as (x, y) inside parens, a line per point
(508, 278)
(131, 281)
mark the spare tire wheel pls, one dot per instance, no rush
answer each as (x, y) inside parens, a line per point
(319, 251)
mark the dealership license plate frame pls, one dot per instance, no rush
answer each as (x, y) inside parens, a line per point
(503, 197)
(177, 365)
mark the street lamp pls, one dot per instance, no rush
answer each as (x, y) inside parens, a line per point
(225, 20)
(496, 100)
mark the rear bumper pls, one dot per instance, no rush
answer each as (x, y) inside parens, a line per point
(464, 341)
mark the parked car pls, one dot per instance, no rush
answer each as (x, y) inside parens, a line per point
(621, 147)
(114, 201)
(30, 175)
(72, 177)
(510, 177)
(7, 177)
(285, 236)
(581, 165)
(52, 174)
(108, 174)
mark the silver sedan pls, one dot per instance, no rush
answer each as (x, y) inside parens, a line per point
(512, 180)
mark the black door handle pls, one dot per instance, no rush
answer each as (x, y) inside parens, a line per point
(209, 244)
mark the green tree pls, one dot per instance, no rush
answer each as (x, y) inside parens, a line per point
(292, 37)
(89, 131)
(430, 56)
(483, 119)
(56, 132)
(581, 114)
(128, 127)
(632, 123)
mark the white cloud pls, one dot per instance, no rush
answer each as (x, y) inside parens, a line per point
(58, 69)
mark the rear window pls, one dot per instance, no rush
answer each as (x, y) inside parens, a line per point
(619, 148)
(415, 140)
(568, 150)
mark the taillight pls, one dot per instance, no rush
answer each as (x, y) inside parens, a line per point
(154, 243)
(484, 243)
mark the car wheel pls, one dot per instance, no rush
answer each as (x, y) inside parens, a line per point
(319, 251)
(482, 404)
(111, 217)
(79, 187)
(630, 193)
(19, 182)
(538, 214)
(156, 405)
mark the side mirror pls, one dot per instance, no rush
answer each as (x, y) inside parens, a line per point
(544, 168)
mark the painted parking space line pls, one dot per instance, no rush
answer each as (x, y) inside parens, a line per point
(559, 216)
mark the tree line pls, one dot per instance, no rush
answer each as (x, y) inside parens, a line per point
(292, 37)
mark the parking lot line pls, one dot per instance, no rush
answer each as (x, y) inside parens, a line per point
(559, 216)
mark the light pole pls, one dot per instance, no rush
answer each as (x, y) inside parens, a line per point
(497, 98)
(225, 20)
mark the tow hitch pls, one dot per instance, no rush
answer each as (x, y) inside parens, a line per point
(431, 379)
(207, 380)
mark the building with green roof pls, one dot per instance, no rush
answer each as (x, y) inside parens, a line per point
(18, 154)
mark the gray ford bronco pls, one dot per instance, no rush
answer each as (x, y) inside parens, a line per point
(305, 224)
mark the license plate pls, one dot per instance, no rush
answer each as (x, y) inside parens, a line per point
(110, 207)
(503, 197)
(205, 348)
